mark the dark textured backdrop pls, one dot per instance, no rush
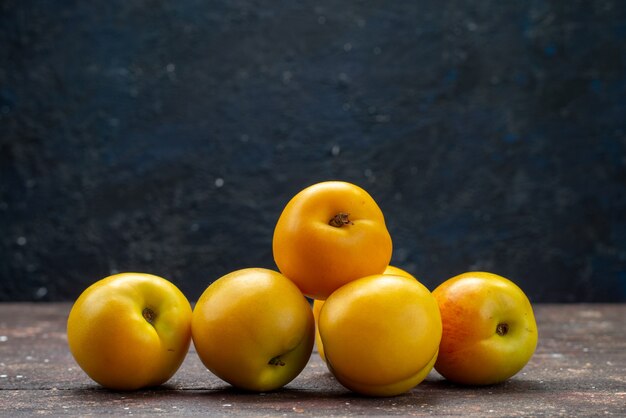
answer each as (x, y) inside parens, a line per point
(166, 136)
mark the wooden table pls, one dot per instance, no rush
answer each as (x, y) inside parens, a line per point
(579, 368)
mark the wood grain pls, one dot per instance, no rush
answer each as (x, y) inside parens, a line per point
(579, 368)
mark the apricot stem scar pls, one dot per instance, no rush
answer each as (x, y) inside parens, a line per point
(149, 315)
(502, 329)
(340, 220)
(276, 361)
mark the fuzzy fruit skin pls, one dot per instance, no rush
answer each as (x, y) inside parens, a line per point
(246, 319)
(319, 257)
(114, 343)
(317, 307)
(472, 305)
(380, 334)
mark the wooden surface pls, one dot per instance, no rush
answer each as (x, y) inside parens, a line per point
(579, 368)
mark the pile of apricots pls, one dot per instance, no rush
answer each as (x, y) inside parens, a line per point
(377, 328)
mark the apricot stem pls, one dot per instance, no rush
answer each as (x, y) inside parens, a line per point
(340, 220)
(276, 361)
(502, 329)
(149, 315)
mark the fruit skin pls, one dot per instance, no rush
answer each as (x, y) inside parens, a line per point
(319, 257)
(317, 307)
(380, 334)
(472, 352)
(254, 329)
(397, 271)
(114, 343)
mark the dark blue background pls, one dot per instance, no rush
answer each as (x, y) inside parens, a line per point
(166, 136)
